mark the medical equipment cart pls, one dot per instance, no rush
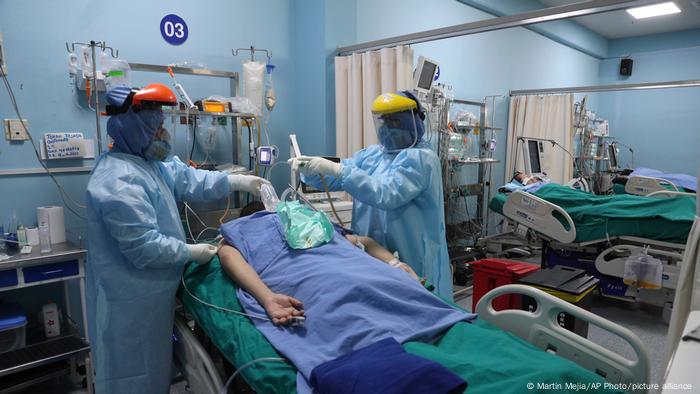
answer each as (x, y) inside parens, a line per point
(54, 357)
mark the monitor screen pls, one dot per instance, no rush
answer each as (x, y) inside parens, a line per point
(533, 148)
(612, 156)
(427, 73)
(265, 156)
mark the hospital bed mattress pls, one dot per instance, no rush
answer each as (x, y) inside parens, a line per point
(489, 359)
(662, 219)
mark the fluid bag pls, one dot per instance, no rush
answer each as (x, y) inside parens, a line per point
(643, 272)
(304, 228)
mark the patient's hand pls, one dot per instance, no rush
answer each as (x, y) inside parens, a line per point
(282, 307)
(407, 268)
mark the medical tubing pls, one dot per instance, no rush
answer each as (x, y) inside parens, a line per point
(224, 390)
(251, 158)
(269, 173)
(330, 201)
(194, 137)
(187, 220)
(228, 206)
(62, 191)
(202, 232)
(220, 308)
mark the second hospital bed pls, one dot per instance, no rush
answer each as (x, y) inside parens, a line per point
(598, 232)
(488, 358)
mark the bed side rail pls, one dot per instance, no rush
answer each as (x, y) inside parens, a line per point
(670, 193)
(542, 330)
(538, 214)
(193, 361)
(644, 185)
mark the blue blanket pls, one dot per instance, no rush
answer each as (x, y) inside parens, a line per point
(685, 181)
(385, 368)
(351, 299)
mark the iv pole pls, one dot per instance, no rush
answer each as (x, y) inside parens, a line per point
(114, 53)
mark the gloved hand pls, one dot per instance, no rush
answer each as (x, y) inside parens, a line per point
(311, 165)
(246, 183)
(202, 253)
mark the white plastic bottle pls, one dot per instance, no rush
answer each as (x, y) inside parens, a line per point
(52, 325)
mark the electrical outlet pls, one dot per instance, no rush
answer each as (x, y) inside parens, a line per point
(3, 66)
(14, 131)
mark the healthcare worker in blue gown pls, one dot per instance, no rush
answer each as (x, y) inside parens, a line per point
(136, 242)
(396, 187)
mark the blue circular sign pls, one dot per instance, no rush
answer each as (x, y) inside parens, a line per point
(173, 29)
(437, 74)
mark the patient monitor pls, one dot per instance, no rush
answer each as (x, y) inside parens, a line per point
(612, 157)
(533, 156)
(424, 75)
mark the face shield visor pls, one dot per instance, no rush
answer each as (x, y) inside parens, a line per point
(396, 130)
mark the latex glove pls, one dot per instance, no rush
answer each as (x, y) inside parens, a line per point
(311, 165)
(202, 253)
(246, 183)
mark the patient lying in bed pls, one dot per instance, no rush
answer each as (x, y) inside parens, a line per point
(524, 182)
(350, 298)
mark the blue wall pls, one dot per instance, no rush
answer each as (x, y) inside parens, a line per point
(654, 42)
(663, 126)
(35, 34)
(320, 26)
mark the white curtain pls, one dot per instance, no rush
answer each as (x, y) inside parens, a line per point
(359, 79)
(549, 117)
(688, 289)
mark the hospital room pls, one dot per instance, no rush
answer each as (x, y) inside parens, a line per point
(350, 196)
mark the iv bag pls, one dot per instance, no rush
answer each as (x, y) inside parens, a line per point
(253, 74)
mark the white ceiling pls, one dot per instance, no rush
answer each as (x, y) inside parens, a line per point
(620, 24)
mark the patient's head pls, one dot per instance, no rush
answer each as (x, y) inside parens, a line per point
(526, 179)
(251, 208)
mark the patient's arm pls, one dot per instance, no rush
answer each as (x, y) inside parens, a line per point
(374, 249)
(279, 307)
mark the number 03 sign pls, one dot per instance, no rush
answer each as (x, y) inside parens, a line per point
(173, 29)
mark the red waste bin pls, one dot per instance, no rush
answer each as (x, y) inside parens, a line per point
(492, 273)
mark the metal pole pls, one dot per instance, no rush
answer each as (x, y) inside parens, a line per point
(481, 212)
(610, 88)
(97, 98)
(504, 22)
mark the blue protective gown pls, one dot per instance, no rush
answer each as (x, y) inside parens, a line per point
(398, 202)
(136, 254)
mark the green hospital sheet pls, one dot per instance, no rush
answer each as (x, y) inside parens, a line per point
(489, 359)
(658, 218)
